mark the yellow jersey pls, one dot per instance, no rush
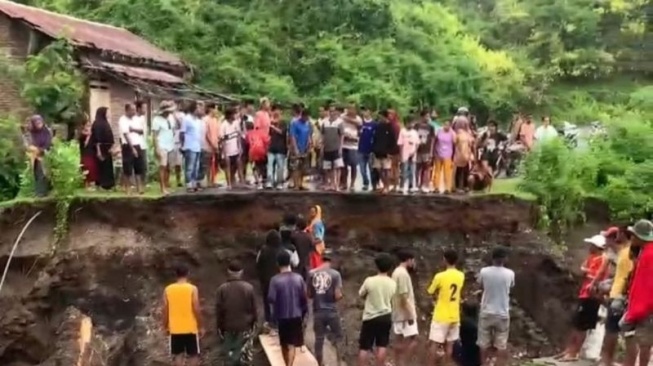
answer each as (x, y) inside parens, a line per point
(449, 285)
(623, 268)
(181, 317)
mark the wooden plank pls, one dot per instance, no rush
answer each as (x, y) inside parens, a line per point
(273, 352)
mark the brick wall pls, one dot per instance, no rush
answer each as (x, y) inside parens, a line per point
(14, 40)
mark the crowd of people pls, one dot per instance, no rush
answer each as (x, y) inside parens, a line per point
(297, 279)
(341, 148)
(617, 276)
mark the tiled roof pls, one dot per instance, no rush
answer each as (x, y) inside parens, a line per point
(88, 34)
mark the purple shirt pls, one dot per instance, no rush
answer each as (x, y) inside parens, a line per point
(444, 144)
(287, 296)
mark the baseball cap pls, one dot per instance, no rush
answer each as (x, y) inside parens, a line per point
(597, 240)
(643, 229)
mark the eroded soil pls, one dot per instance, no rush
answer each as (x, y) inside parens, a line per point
(120, 253)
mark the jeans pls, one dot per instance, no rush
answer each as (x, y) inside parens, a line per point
(364, 163)
(408, 169)
(191, 173)
(280, 161)
(327, 324)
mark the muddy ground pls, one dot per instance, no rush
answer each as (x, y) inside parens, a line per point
(120, 252)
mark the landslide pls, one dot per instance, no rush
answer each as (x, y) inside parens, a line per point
(119, 254)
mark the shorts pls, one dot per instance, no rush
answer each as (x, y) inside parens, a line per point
(299, 163)
(132, 165)
(291, 332)
(375, 332)
(332, 160)
(425, 158)
(350, 157)
(493, 331)
(612, 321)
(587, 314)
(644, 332)
(442, 333)
(404, 329)
(175, 157)
(166, 158)
(382, 163)
(184, 344)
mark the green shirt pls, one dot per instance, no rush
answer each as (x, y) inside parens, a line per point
(404, 288)
(378, 292)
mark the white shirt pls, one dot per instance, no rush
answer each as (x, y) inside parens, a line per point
(543, 133)
(143, 123)
(124, 124)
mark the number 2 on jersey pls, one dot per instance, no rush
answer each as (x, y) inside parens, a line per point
(454, 292)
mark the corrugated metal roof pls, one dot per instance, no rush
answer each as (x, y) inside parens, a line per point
(134, 72)
(88, 34)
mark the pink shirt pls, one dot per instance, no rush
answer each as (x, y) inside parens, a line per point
(262, 121)
(408, 141)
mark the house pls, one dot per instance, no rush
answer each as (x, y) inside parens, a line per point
(120, 66)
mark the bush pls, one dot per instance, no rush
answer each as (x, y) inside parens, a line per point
(63, 169)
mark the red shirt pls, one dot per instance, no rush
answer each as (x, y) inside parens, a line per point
(640, 296)
(258, 142)
(593, 263)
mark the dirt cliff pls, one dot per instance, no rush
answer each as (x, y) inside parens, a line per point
(119, 254)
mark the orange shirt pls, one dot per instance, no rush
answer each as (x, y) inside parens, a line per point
(593, 263)
(212, 130)
(262, 121)
(527, 133)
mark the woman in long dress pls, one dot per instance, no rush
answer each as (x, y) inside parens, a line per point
(102, 139)
(41, 142)
(463, 156)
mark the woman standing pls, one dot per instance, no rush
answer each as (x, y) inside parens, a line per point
(87, 154)
(445, 139)
(41, 137)
(317, 231)
(463, 156)
(102, 140)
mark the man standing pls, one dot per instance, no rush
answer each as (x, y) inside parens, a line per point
(132, 140)
(303, 243)
(378, 292)
(277, 151)
(325, 288)
(235, 314)
(384, 142)
(300, 146)
(639, 313)
(213, 143)
(141, 119)
(332, 138)
(164, 143)
(192, 135)
(365, 148)
(494, 322)
(287, 297)
(182, 319)
(404, 315)
(351, 123)
(447, 287)
(426, 134)
(232, 147)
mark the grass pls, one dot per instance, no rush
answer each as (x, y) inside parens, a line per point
(501, 186)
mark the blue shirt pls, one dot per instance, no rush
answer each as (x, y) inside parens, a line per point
(287, 296)
(300, 131)
(164, 133)
(192, 130)
(366, 137)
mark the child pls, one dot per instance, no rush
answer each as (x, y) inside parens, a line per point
(408, 141)
(480, 178)
(258, 141)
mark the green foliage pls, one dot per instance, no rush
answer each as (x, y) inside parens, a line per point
(12, 159)
(63, 168)
(558, 177)
(616, 168)
(52, 85)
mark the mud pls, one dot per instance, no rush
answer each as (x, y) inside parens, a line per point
(120, 252)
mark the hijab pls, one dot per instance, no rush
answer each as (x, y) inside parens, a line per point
(41, 137)
(101, 129)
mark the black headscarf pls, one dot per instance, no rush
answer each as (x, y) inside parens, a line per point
(101, 132)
